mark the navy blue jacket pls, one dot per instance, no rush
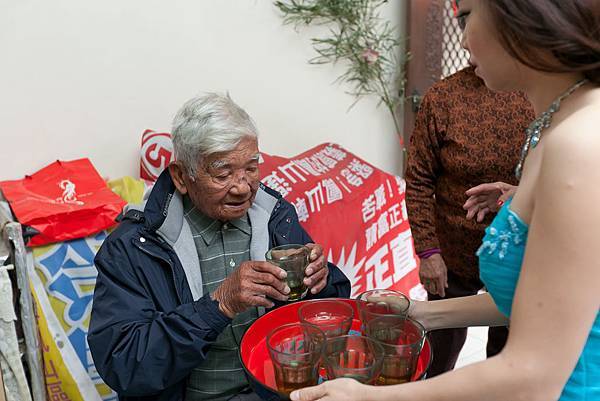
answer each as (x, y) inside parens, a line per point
(146, 331)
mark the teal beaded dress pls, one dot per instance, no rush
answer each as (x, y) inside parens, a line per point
(500, 259)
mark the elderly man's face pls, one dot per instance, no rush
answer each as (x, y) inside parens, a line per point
(226, 183)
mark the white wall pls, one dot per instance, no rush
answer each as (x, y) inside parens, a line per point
(83, 78)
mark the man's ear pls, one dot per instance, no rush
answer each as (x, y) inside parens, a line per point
(177, 172)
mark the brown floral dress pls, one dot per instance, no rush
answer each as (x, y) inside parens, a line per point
(464, 135)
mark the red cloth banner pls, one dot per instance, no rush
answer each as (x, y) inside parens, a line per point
(63, 201)
(356, 211)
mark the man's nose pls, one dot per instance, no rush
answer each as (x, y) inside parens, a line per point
(241, 184)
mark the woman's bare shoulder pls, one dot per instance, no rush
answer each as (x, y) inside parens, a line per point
(579, 133)
(570, 166)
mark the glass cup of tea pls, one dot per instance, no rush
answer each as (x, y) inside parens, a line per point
(293, 258)
(333, 317)
(402, 339)
(379, 302)
(355, 357)
(295, 350)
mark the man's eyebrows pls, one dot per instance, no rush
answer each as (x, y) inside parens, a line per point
(219, 164)
(224, 163)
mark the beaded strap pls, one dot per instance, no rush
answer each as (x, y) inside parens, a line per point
(534, 131)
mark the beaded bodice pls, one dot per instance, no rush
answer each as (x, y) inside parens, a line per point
(500, 259)
(501, 253)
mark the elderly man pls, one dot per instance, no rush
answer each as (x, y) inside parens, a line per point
(180, 282)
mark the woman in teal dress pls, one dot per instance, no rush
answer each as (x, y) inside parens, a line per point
(539, 258)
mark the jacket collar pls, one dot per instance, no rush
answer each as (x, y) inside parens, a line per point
(164, 199)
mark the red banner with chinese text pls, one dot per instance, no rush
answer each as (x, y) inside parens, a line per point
(356, 211)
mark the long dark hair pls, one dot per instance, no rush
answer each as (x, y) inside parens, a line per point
(568, 29)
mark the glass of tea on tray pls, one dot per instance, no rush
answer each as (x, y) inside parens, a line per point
(332, 316)
(355, 357)
(402, 339)
(295, 350)
(381, 302)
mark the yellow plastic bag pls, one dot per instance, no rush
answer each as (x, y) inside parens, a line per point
(128, 188)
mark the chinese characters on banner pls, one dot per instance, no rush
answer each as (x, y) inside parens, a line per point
(357, 212)
(53, 382)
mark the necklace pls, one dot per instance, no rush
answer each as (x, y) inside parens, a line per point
(534, 131)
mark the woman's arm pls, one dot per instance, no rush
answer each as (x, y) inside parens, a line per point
(476, 310)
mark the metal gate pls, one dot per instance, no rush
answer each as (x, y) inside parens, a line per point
(454, 57)
(434, 44)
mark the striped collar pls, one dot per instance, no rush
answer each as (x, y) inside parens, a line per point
(208, 227)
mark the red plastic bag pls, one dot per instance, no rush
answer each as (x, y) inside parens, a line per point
(63, 201)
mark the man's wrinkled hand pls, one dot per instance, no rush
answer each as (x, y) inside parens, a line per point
(249, 285)
(317, 271)
(434, 275)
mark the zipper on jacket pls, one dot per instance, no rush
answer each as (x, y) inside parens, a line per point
(148, 252)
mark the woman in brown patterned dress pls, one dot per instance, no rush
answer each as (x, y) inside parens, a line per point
(464, 135)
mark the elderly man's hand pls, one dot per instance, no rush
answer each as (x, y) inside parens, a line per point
(249, 285)
(316, 272)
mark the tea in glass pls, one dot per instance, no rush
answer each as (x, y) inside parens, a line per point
(293, 258)
(355, 357)
(402, 339)
(295, 350)
(380, 302)
(331, 316)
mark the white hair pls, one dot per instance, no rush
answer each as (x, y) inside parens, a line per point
(206, 125)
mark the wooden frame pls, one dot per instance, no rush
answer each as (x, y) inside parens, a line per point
(425, 44)
(13, 234)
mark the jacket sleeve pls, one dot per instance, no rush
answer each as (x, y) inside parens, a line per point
(137, 349)
(421, 175)
(338, 285)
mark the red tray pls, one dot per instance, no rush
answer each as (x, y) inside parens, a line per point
(255, 356)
